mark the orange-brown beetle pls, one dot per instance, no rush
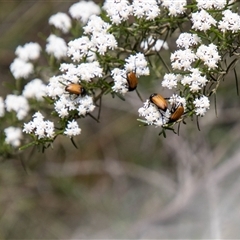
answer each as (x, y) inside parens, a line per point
(132, 81)
(176, 114)
(159, 101)
(75, 88)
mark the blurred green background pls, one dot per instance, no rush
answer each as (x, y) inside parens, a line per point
(123, 181)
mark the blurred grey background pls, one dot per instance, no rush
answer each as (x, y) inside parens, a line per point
(123, 181)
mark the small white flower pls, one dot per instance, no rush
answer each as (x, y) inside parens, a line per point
(118, 11)
(72, 129)
(209, 55)
(39, 127)
(2, 109)
(66, 103)
(229, 22)
(202, 20)
(120, 80)
(145, 9)
(170, 80)
(70, 74)
(55, 88)
(186, 40)
(85, 105)
(175, 100)
(137, 64)
(102, 41)
(96, 25)
(175, 7)
(211, 4)
(13, 136)
(79, 48)
(61, 21)
(182, 59)
(153, 115)
(38, 115)
(21, 69)
(83, 10)
(35, 89)
(201, 105)
(195, 80)
(30, 51)
(56, 46)
(88, 71)
(18, 104)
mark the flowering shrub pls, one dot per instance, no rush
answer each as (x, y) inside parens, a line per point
(96, 51)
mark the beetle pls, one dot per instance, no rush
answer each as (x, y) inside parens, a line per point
(132, 81)
(159, 101)
(75, 88)
(176, 113)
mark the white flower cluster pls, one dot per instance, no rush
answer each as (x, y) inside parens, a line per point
(229, 22)
(55, 88)
(120, 80)
(145, 9)
(79, 48)
(18, 104)
(30, 51)
(170, 80)
(137, 64)
(61, 21)
(72, 129)
(117, 10)
(65, 101)
(158, 117)
(153, 115)
(134, 63)
(175, 7)
(99, 40)
(202, 20)
(84, 71)
(193, 79)
(183, 59)
(175, 100)
(187, 40)
(13, 136)
(201, 105)
(209, 55)
(88, 71)
(21, 67)
(211, 4)
(39, 127)
(83, 10)
(35, 89)
(56, 46)
(65, 104)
